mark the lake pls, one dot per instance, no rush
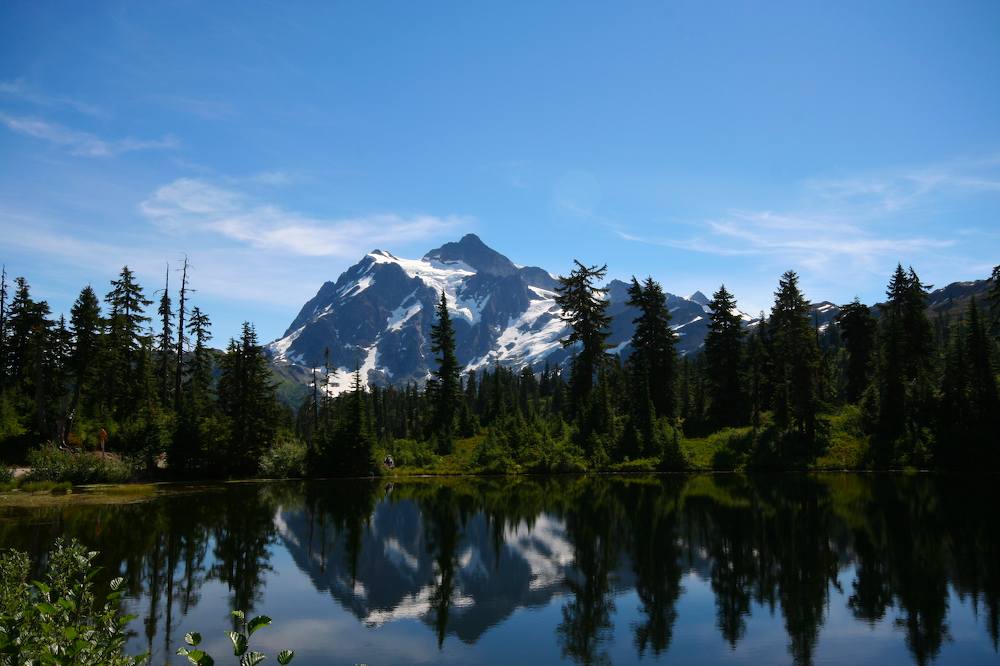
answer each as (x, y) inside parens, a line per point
(705, 569)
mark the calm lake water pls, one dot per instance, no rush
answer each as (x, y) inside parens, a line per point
(723, 569)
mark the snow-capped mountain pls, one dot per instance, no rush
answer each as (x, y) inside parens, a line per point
(378, 316)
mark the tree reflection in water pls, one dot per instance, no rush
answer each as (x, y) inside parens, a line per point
(465, 555)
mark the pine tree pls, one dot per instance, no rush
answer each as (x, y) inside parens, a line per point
(247, 399)
(858, 327)
(794, 359)
(724, 361)
(905, 367)
(165, 348)
(199, 367)
(4, 344)
(181, 314)
(994, 301)
(584, 308)
(653, 361)
(757, 365)
(444, 388)
(85, 325)
(357, 433)
(126, 322)
(984, 403)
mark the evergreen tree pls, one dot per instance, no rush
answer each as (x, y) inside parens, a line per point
(757, 366)
(4, 343)
(126, 322)
(794, 359)
(653, 360)
(584, 308)
(30, 353)
(357, 433)
(247, 399)
(181, 314)
(445, 387)
(86, 325)
(724, 361)
(904, 369)
(985, 406)
(166, 338)
(994, 301)
(858, 327)
(199, 367)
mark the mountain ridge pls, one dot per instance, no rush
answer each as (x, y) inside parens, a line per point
(377, 316)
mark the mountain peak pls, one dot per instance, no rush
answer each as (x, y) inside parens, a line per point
(472, 251)
(699, 298)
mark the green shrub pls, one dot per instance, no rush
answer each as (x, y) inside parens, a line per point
(411, 453)
(49, 463)
(59, 621)
(240, 640)
(6, 474)
(286, 459)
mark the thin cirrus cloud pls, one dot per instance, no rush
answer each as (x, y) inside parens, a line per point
(189, 204)
(844, 223)
(18, 90)
(78, 142)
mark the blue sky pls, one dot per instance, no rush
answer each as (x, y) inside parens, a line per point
(702, 142)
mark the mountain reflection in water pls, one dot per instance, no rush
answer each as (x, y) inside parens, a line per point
(703, 569)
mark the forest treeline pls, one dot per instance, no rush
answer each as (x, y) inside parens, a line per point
(884, 381)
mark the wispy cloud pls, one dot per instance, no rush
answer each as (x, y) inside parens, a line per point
(81, 143)
(194, 205)
(19, 90)
(842, 224)
(894, 190)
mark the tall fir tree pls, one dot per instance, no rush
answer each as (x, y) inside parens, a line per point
(247, 399)
(4, 333)
(904, 371)
(181, 314)
(724, 361)
(994, 302)
(584, 308)
(126, 337)
(86, 326)
(985, 406)
(857, 328)
(794, 359)
(165, 343)
(654, 355)
(357, 434)
(445, 386)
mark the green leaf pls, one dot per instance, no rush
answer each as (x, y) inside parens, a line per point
(182, 651)
(238, 614)
(116, 583)
(239, 642)
(257, 623)
(285, 656)
(46, 608)
(206, 661)
(42, 587)
(192, 638)
(252, 659)
(195, 656)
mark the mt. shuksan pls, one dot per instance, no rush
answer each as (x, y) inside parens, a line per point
(379, 313)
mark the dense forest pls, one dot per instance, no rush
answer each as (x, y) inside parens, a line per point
(135, 371)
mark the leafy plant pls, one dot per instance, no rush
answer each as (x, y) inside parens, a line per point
(59, 621)
(240, 640)
(49, 463)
